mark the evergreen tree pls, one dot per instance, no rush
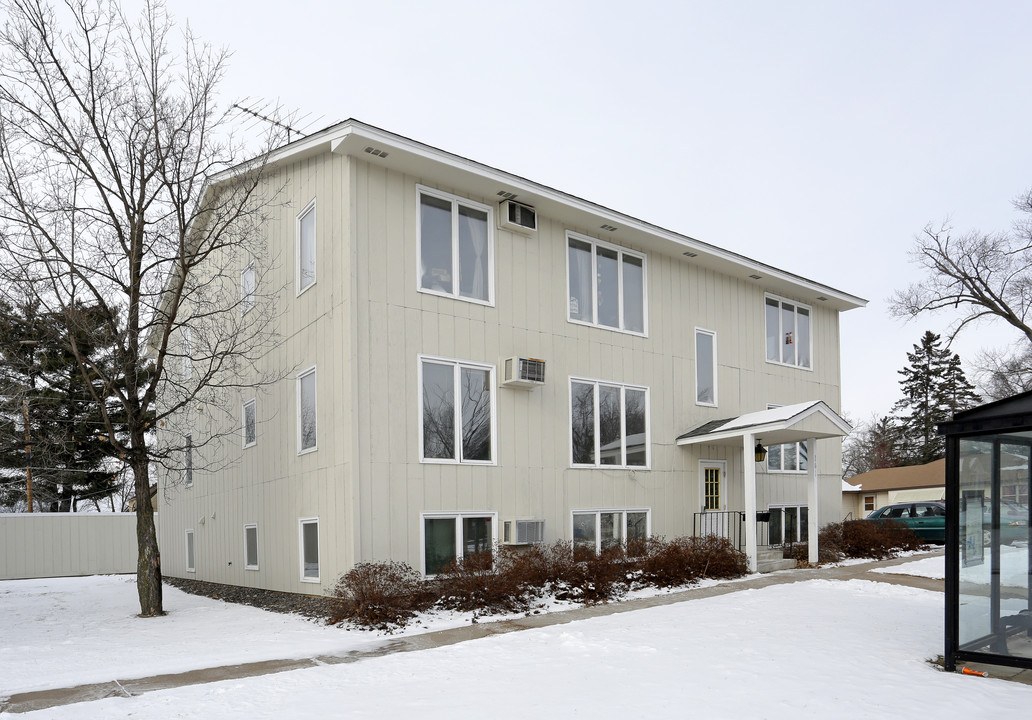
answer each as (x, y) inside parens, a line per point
(934, 388)
(50, 417)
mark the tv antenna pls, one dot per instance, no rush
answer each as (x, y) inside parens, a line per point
(259, 113)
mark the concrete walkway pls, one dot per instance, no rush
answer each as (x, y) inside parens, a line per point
(42, 699)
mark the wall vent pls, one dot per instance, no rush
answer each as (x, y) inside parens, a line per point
(523, 532)
(507, 195)
(523, 372)
(376, 151)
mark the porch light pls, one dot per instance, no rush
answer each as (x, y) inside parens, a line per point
(761, 452)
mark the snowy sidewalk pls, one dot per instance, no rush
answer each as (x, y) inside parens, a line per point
(42, 699)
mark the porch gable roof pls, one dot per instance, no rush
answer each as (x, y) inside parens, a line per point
(791, 423)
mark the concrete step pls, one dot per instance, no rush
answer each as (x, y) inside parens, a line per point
(764, 554)
(766, 566)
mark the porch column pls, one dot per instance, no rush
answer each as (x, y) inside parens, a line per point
(811, 454)
(749, 459)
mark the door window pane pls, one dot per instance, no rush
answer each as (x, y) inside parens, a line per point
(476, 414)
(634, 294)
(711, 488)
(583, 423)
(610, 433)
(435, 241)
(439, 544)
(438, 410)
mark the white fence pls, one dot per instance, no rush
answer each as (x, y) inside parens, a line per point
(37, 545)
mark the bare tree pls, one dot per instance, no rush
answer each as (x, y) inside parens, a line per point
(109, 141)
(982, 276)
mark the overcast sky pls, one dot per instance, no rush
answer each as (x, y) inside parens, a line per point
(819, 137)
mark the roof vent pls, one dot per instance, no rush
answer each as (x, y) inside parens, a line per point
(689, 253)
(507, 195)
(610, 228)
(376, 151)
(755, 277)
(822, 298)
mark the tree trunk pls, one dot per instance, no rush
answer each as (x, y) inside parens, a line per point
(148, 566)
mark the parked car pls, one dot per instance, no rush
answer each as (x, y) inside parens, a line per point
(926, 519)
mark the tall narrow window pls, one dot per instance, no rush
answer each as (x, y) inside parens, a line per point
(455, 247)
(310, 550)
(187, 353)
(705, 367)
(190, 567)
(251, 546)
(608, 424)
(247, 288)
(606, 285)
(711, 488)
(306, 411)
(250, 422)
(788, 335)
(188, 461)
(457, 415)
(306, 248)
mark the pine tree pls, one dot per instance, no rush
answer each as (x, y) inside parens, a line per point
(46, 405)
(934, 388)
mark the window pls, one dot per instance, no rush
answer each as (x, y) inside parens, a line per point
(190, 552)
(450, 537)
(790, 457)
(596, 530)
(247, 289)
(306, 248)
(606, 285)
(250, 422)
(306, 411)
(788, 332)
(456, 411)
(868, 503)
(188, 461)
(456, 247)
(705, 367)
(310, 550)
(187, 352)
(608, 424)
(251, 547)
(711, 487)
(788, 524)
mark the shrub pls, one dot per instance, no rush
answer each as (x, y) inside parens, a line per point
(474, 583)
(716, 557)
(380, 595)
(860, 539)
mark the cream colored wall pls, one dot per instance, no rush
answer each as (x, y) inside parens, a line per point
(364, 324)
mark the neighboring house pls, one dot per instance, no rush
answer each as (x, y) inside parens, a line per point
(877, 488)
(483, 359)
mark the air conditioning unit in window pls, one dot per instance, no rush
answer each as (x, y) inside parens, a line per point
(523, 532)
(517, 217)
(523, 372)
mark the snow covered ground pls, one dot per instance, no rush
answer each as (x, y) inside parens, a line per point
(813, 649)
(1013, 568)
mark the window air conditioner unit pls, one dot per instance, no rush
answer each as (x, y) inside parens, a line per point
(517, 217)
(523, 532)
(523, 372)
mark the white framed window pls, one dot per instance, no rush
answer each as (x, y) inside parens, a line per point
(247, 288)
(249, 422)
(308, 533)
(705, 367)
(788, 524)
(306, 248)
(789, 457)
(307, 414)
(456, 411)
(449, 537)
(188, 461)
(712, 473)
(609, 424)
(455, 239)
(251, 546)
(190, 567)
(788, 333)
(606, 285)
(597, 530)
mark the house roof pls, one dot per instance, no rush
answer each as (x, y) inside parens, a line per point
(791, 423)
(462, 175)
(932, 474)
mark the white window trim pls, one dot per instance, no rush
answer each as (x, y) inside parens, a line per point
(301, 547)
(781, 332)
(623, 425)
(799, 518)
(459, 544)
(297, 391)
(598, 521)
(797, 443)
(455, 200)
(703, 464)
(247, 526)
(190, 539)
(457, 366)
(713, 361)
(570, 234)
(243, 421)
(310, 207)
(247, 301)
